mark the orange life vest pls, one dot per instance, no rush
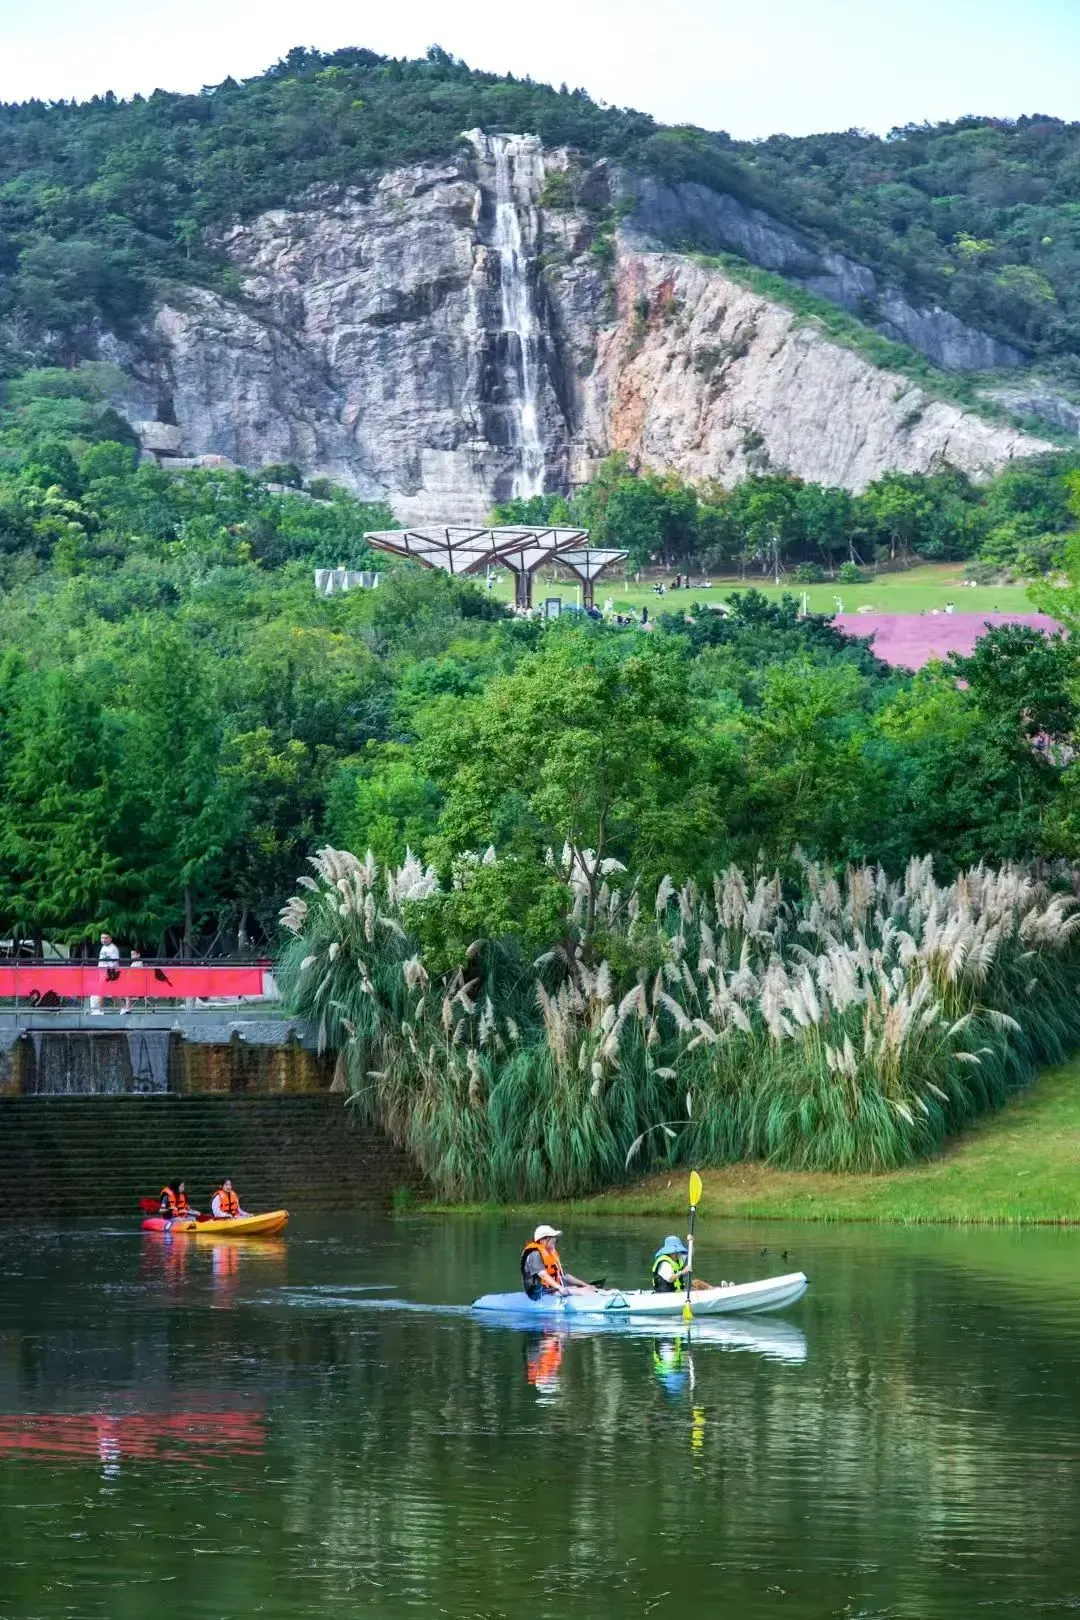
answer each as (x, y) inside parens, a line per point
(549, 1257)
(229, 1201)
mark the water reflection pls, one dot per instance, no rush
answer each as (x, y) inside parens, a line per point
(176, 1259)
(673, 1366)
(904, 1444)
(543, 1362)
(111, 1439)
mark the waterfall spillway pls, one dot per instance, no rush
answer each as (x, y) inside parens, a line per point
(518, 165)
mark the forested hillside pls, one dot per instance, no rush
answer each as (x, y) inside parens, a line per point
(769, 523)
(98, 200)
(182, 719)
(184, 722)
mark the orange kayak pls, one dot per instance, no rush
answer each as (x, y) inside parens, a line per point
(243, 1225)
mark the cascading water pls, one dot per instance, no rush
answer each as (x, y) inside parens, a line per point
(518, 166)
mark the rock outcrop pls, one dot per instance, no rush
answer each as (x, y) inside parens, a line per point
(703, 375)
(662, 215)
(444, 342)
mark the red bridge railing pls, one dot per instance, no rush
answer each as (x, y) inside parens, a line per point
(32, 982)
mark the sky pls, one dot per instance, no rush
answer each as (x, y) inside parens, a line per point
(752, 67)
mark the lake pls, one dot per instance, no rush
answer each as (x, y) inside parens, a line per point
(197, 1430)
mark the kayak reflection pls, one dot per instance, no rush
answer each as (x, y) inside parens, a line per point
(177, 1262)
(764, 1336)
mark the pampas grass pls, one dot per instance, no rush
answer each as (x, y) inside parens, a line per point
(842, 1024)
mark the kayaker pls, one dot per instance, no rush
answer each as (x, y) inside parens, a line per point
(226, 1205)
(542, 1270)
(174, 1202)
(669, 1267)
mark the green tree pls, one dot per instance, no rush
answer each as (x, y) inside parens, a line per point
(65, 870)
(826, 518)
(808, 778)
(382, 801)
(169, 698)
(581, 746)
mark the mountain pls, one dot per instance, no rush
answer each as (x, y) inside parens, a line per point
(445, 343)
(321, 265)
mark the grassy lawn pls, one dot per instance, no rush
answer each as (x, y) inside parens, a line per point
(913, 590)
(1021, 1165)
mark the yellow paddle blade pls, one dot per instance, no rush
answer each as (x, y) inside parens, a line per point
(687, 1313)
(695, 1189)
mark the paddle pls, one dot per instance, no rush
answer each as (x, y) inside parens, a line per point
(688, 1274)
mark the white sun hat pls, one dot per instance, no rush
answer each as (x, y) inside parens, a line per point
(545, 1232)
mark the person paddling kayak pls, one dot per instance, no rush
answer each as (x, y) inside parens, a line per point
(173, 1204)
(669, 1268)
(542, 1270)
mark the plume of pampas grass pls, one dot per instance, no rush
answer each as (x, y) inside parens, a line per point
(848, 1022)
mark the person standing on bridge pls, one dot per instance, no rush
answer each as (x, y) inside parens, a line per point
(108, 963)
(136, 961)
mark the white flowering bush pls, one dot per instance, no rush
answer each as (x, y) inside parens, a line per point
(846, 1023)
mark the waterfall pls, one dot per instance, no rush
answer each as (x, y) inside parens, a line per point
(519, 168)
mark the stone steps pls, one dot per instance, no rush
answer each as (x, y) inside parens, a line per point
(76, 1156)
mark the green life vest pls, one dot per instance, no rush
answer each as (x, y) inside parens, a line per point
(666, 1285)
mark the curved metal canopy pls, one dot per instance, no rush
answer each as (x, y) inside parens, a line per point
(463, 550)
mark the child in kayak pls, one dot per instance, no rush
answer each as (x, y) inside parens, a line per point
(669, 1267)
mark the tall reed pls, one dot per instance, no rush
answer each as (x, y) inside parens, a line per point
(834, 1024)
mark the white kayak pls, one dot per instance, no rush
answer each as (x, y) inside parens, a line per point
(769, 1294)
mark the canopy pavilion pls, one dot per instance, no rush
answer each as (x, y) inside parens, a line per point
(523, 550)
(588, 564)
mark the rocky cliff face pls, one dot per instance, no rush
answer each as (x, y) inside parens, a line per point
(662, 215)
(445, 343)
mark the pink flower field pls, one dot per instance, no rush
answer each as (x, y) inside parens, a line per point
(913, 639)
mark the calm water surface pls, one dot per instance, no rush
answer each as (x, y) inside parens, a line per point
(198, 1430)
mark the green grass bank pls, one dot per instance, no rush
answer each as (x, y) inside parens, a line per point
(1016, 1167)
(912, 590)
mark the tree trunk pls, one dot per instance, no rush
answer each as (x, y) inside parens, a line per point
(186, 950)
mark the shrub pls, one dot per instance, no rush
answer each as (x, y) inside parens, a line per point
(830, 1027)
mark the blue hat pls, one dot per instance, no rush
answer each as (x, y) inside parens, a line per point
(672, 1245)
